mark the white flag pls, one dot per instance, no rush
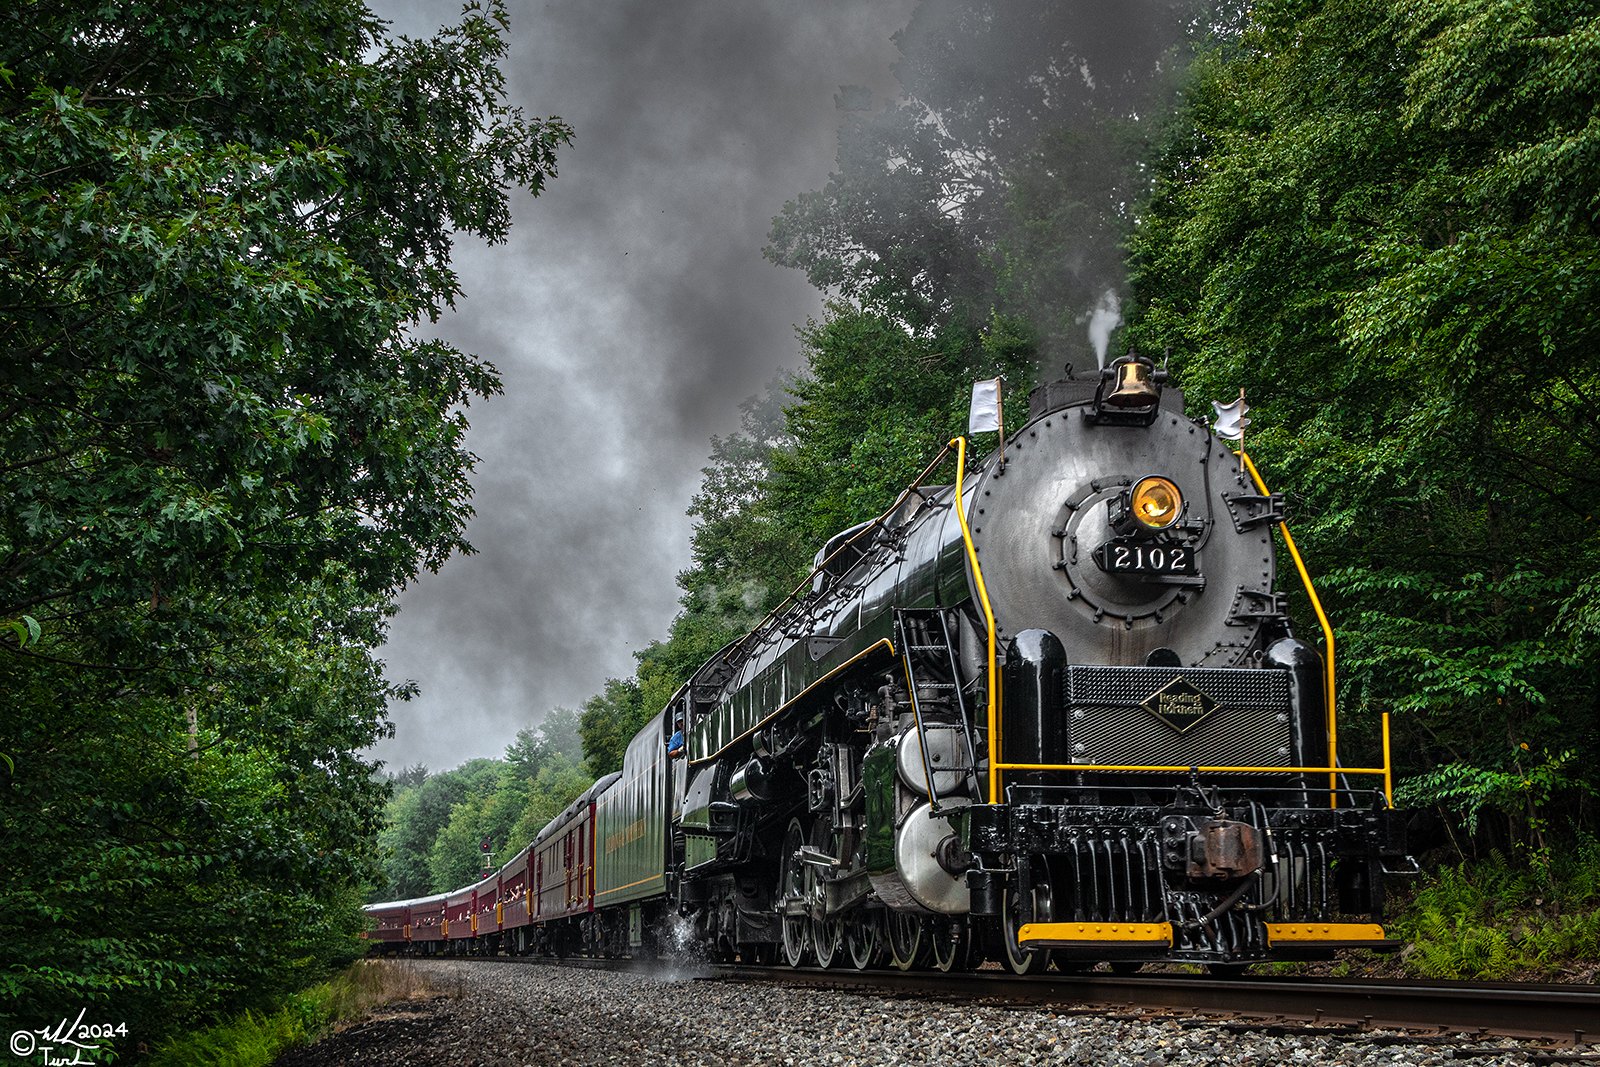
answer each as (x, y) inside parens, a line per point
(985, 414)
(1231, 421)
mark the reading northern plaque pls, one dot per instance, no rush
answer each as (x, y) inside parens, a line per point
(1179, 705)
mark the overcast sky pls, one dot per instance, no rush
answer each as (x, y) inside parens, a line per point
(628, 315)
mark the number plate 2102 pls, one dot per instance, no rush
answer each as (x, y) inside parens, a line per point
(1142, 557)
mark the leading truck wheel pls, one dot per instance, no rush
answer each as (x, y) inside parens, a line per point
(1019, 960)
(792, 903)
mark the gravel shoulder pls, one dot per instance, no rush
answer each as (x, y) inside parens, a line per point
(515, 1015)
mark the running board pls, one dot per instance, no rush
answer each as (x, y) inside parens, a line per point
(1322, 937)
(1093, 940)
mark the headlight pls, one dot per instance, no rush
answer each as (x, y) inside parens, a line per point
(1156, 503)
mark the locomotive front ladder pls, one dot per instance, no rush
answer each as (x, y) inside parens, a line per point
(927, 653)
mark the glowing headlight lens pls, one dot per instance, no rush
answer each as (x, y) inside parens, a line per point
(1156, 503)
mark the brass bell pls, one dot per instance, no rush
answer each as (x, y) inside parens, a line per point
(1134, 387)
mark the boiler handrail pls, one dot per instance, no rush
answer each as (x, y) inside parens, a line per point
(988, 618)
(1327, 635)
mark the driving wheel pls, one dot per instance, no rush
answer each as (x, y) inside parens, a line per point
(865, 938)
(906, 942)
(793, 907)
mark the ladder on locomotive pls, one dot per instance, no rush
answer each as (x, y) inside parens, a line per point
(928, 653)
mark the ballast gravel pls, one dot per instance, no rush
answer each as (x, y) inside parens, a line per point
(517, 1015)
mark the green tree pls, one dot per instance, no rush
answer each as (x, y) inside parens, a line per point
(609, 721)
(497, 803)
(413, 820)
(413, 775)
(1377, 218)
(222, 455)
(485, 817)
(561, 781)
(556, 734)
(875, 404)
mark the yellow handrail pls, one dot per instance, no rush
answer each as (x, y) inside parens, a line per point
(1388, 775)
(988, 618)
(1327, 635)
(1167, 768)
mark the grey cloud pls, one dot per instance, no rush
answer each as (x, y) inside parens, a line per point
(628, 314)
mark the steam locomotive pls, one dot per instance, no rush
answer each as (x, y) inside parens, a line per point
(1053, 713)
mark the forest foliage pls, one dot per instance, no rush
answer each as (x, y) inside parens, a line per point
(222, 456)
(1381, 221)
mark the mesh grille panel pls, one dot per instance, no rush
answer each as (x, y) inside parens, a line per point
(1250, 726)
(1133, 685)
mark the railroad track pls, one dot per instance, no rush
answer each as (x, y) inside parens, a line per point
(1567, 1016)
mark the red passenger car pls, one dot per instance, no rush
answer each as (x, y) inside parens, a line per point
(563, 874)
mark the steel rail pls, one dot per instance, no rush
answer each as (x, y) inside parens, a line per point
(1566, 1013)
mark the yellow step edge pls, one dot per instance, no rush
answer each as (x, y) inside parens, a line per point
(1141, 932)
(1277, 932)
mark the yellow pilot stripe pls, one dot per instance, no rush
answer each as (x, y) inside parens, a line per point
(1161, 932)
(1277, 932)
